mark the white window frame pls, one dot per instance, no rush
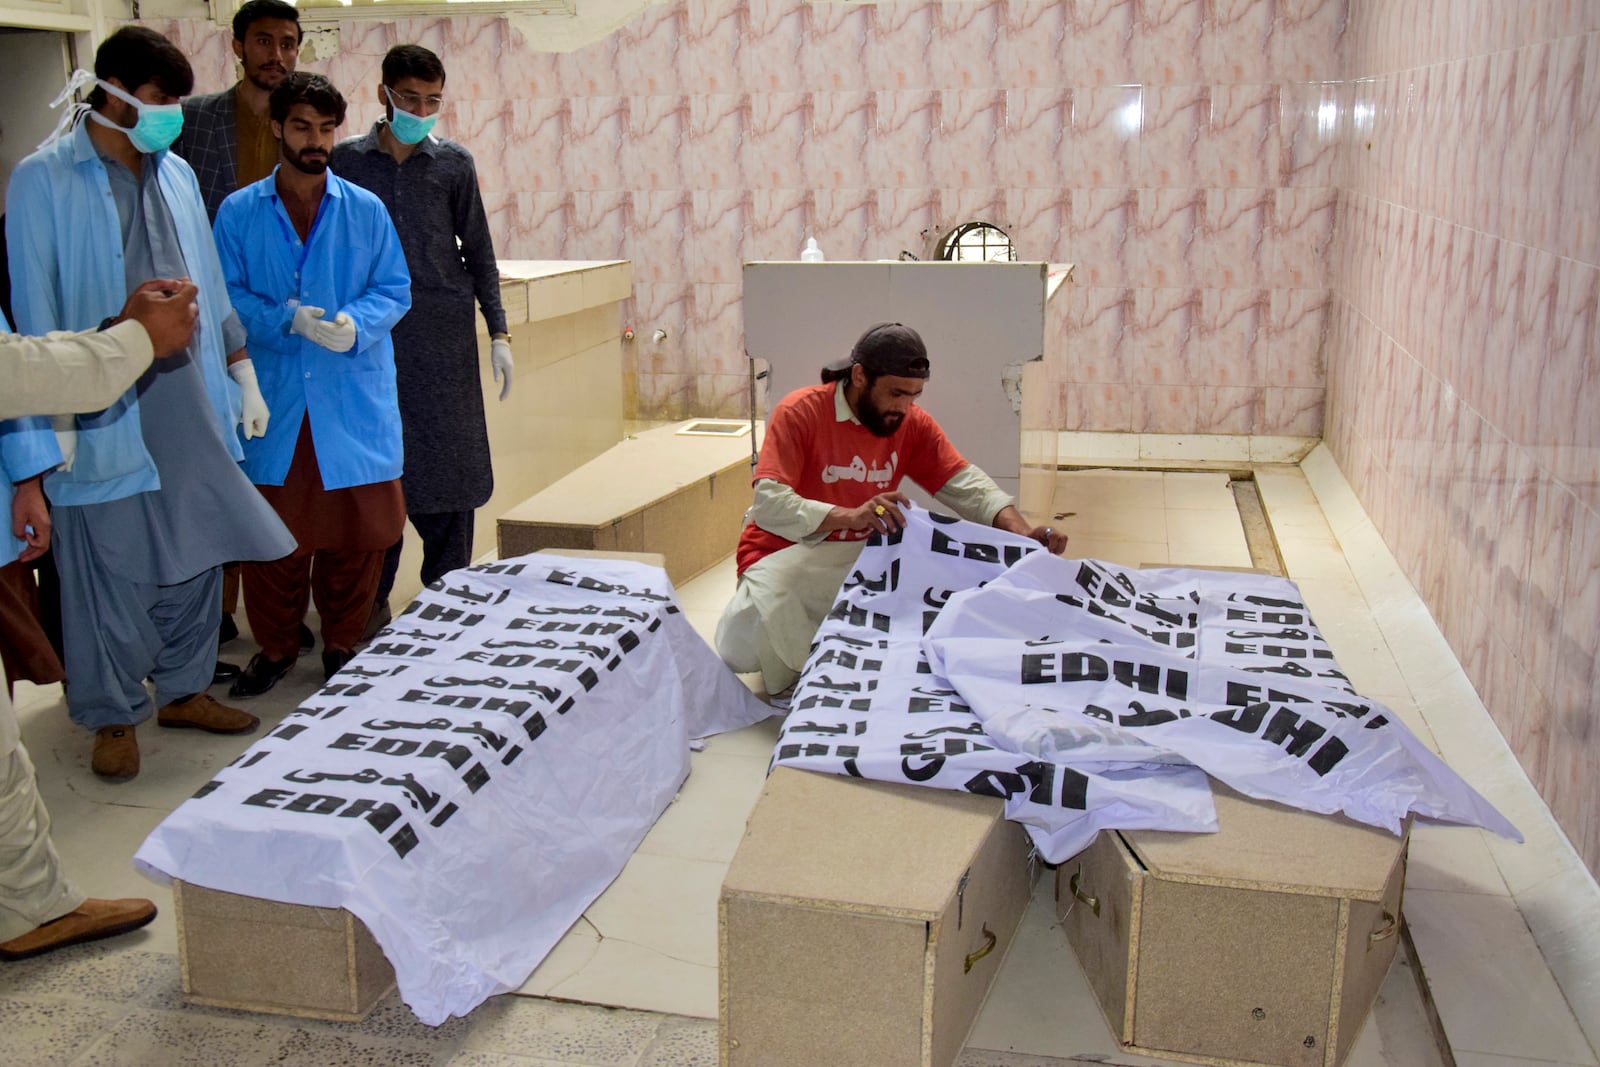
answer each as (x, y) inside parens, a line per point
(222, 10)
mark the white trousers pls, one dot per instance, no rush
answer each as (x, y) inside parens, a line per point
(782, 599)
(33, 889)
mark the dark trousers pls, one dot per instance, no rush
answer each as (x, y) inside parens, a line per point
(446, 546)
(342, 581)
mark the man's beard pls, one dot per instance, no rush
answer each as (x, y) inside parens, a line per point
(275, 72)
(879, 422)
(298, 161)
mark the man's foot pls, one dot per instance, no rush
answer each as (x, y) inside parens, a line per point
(333, 661)
(228, 630)
(224, 672)
(259, 675)
(116, 753)
(308, 640)
(203, 712)
(379, 618)
(90, 921)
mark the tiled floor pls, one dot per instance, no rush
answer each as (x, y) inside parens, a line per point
(1506, 934)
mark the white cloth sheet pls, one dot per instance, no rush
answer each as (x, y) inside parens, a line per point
(1092, 697)
(476, 777)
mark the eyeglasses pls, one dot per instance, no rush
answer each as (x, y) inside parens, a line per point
(409, 101)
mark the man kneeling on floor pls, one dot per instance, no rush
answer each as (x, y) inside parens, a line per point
(828, 478)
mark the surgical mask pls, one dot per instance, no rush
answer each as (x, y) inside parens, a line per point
(406, 127)
(157, 127)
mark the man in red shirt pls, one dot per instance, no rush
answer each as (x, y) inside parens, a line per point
(828, 477)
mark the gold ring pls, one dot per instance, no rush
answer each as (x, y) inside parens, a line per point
(879, 510)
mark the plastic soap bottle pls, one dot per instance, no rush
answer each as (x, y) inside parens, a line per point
(811, 253)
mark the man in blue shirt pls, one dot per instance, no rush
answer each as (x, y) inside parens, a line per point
(317, 274)
(149, 499)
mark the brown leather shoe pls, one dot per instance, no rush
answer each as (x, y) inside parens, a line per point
(203, 712)
(116, 753)
(92, 920)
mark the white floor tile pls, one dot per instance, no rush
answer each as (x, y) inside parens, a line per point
(1492, 988)
(1563, 914)
(627, 975)
(707, 819)
(664, 904)
(1074, 446)
(1454, 859)
(1194, 446)
(1206, 490)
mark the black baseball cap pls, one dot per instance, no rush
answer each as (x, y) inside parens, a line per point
(891, 348)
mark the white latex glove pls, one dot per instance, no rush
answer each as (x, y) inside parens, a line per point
(337, 334)
(306, 319)
(500, 361)
(254, 414)
(66, 428)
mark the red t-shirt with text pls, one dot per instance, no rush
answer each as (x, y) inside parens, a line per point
(843, 463)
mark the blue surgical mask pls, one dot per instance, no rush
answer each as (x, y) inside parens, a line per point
(158, 125)
(406, 127)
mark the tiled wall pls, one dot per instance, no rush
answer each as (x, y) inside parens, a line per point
(1463, 358)
(1180, 151)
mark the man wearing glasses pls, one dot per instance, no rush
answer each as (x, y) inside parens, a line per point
(430, 187)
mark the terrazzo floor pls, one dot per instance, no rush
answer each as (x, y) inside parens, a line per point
(1506, 934)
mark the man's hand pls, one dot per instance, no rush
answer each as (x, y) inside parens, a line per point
(882, 514)
(306, 320)
(1011, 520)
(30, 519)
(166, 308)
(501, 364)
(337, 334)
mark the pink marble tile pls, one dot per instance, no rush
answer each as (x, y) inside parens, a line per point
(1501, 344)
(1235, 331)
(1291, 412)
(1579, 234)
(908, 219)
(770, 138)
(900, 54)
(1169, 41)
(719, 329)
(971, 125)
(597, 132)
(1495, 139)
(1530, 360)
(1105, 408)
(1309, 41)
(1520, 711)
(1101, 36)
(1240, 44)
(1241, 145)
(1555, 142)
(1308, 139)
(779, 222)
(1101, 238)
(1033, 44)
(1530, 71)
(591, 70)
(1228, 409)
(1101, 347)
(1577, 637)
(643, 58)
(965, 49)
(774, 50)
(537, 228)
(723, 396)
(658, 129)
(1172, 140)
(1170, 246)
(1034, 151)
(838, 50)
(1236, 237)
(844, 222)
(1570, 385)
(1554, 510)
(974, 204)
(716, 235)
(1042, 223)
(662, 306)
(534, 154)
(1104, 152)
(714, 154)
(1166, 409)
(531, 72)
(602, 225)
(901, 152)
(1167, 337)
(1302, 237)
(710, 58)
(662, 227)
(842, 125)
